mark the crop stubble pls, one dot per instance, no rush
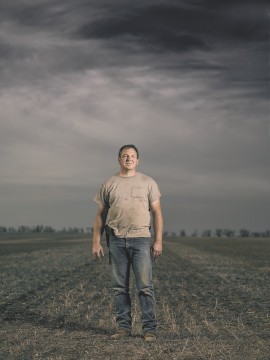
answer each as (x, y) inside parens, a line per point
(212, 302)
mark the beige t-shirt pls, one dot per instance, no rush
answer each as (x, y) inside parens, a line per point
(128, 200)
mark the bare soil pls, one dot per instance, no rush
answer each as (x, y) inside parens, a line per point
(212, 301)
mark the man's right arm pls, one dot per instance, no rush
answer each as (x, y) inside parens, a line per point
(99, 226)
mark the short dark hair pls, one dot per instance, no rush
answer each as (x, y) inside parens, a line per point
(129, 146)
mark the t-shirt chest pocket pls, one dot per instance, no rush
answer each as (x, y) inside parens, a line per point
(137, 192)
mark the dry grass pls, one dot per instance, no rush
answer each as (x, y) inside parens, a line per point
(213, 303)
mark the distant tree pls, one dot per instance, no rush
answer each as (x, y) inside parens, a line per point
(38, 228)
(73, 230)
(218, 232)
(228, 233)
(194, 234)
(165, 234)
(207, 233)
(48, 229)
(173, 234)
(90, 230)
(257, 234)
(244, 233)
(24, 229)
(183, 233)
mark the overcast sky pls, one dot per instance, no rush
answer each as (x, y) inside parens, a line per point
(187, 81)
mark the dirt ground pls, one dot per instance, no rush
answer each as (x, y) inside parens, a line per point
(212, 301)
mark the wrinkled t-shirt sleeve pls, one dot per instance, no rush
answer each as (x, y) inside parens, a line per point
(101, 196)
(154, 193)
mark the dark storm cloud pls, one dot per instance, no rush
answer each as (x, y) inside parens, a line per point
(158, 27)
(34, 14)
(240, 19)
(172, 26)
(144, 32)
(7, 51)
(177, 27)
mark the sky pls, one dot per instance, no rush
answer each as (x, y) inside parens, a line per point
(186, 81)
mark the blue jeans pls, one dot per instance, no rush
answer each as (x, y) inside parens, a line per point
(135, 252)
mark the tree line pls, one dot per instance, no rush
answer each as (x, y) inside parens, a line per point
(219, 233)
(42, 229)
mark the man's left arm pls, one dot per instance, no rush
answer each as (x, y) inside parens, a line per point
(158, 228)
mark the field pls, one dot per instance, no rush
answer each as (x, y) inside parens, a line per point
(212, 301)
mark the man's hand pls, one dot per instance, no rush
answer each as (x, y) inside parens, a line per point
(156, 250)
(99, 224)
(97, 251)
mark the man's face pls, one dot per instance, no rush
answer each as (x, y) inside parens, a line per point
(128, 159)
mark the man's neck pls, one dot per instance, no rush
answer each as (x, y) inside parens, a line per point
(127, 173)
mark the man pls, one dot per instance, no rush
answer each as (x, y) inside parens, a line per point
(125, 201)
